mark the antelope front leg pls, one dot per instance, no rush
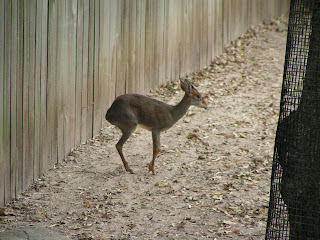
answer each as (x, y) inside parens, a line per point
(156, 149)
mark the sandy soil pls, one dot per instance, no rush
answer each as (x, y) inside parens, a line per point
(213, 173)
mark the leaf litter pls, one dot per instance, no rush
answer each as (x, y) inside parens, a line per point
(213, 173)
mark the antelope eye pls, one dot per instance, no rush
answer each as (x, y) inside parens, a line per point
(199, 96)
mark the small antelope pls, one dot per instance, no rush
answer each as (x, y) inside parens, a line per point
(129, 110)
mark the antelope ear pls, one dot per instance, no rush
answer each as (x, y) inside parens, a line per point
(185, 85)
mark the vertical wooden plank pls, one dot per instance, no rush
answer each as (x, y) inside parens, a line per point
(43, 89)
(285, 5)
(258, 6)
(165, 41)
(90, 70)
(154, 77)
(122, 52)
(61, 81)
(214, 50)
(252, 13)
(108, 82)
(85, 68)
(261, 10)
(199, 32)
(104, 57)
(70, 77)
(152, 45)
(193, 59)
(272, 9)
(96, 83)
(154, 80)
(26, 81)
(2, 125)
(239, 26)
(137, 38)
(257, 10)
(141, 43)
(240, 29)
(184, 24)
(179, 35)
(161, 42)
(135, 45)
(52, 108)
(66, 56)
(265, 13)
(103, 52)
(148, 49)
(13, 98)
(238, 20)
(281, 5)
(194, 54)
(178, 30)
(124, 46)
(211, 30)
(37, 89)
(186, 41)
(79, 72)
(233, 20)
(170, 23)
(64, 82)
(167, 53)
(6, 98)
(225, 21)
(232, 12)
(118, 47)
(31, 91)
(130, 79)
(204, 51)
(266, 10)
(277, 8)
(249, 13)
(196, 36)
(19, 99)
(244, 16)
(219, 33)
(114, 48)
(158, 41)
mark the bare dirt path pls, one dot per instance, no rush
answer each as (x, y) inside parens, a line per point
(213, 172)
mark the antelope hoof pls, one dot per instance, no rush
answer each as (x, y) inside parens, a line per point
(129, 170)
(151, 169)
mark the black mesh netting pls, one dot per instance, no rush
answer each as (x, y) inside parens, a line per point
(294, 210)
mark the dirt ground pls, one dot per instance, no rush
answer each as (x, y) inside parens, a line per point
(213, 173)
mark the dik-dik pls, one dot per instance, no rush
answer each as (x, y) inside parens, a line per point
(129, 110)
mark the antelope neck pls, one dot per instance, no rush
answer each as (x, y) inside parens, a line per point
(179, 110)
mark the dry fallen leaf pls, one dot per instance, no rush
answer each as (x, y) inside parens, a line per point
(2, 212)
(108, 215)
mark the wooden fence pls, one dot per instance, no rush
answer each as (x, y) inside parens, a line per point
(62, 62)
